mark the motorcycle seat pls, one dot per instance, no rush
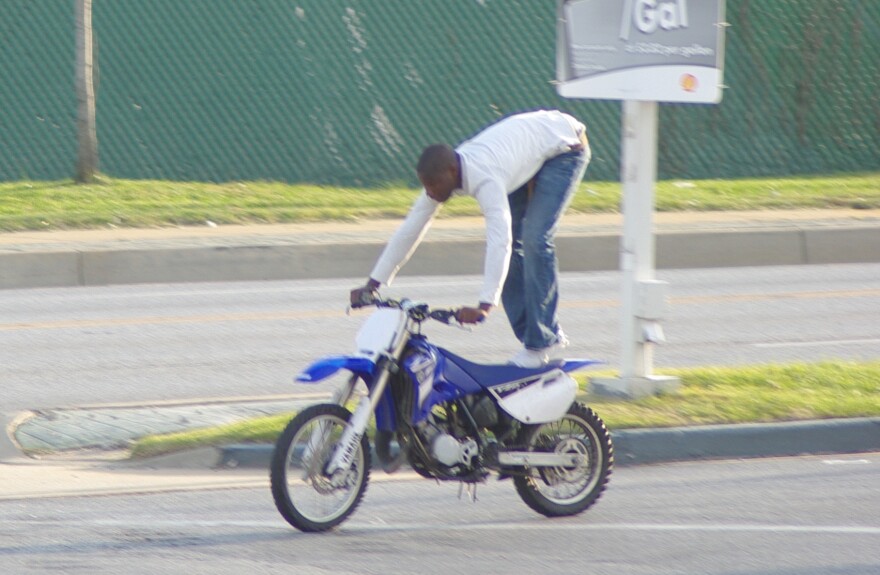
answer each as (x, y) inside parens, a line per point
(490, 375)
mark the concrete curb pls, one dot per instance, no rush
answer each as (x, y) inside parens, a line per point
(352, 258)
(636, 446)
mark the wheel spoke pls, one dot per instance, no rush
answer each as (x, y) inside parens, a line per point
(567, 489)
(305, 494)
(320, 497)
(563, 484)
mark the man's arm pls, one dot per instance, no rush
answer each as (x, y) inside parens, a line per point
(405, 240)
(400, 247)
(496, 210)
(495, 206)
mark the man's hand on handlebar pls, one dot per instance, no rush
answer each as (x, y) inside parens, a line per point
(473, 314)
(364, 295)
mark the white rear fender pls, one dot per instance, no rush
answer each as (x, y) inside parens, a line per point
(537, 399)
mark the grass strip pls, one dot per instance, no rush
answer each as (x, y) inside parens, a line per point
(708, 395)
(256, 430)
(52, 205)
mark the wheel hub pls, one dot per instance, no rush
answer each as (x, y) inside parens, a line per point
(570, 446)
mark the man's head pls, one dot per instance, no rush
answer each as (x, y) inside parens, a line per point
(439, 171)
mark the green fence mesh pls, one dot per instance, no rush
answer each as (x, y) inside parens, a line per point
(348, 91)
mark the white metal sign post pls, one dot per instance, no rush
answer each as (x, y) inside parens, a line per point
(641, 52)
(643, 300)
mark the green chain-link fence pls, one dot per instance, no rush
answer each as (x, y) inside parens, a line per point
(349, 91)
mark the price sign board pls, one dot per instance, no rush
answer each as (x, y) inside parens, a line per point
(646, 50)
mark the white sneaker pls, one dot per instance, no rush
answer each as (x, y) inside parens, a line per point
(533, 358)
(561, 339)
(557, 350)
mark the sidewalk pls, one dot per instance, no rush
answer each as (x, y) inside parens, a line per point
(22, 478)
(116, 427)
(586, 242)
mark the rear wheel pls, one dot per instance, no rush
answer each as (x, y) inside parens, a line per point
(560, 491)
(307, 496)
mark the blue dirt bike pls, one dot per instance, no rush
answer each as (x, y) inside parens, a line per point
(449, 418)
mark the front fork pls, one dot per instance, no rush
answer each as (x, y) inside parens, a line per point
(343, 455)
(342, 395)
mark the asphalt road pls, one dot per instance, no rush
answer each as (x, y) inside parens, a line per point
(792, 516)
(76, 346)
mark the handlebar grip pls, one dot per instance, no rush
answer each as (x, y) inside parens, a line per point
(365, 298)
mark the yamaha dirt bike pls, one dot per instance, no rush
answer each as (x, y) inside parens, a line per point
(448, 418)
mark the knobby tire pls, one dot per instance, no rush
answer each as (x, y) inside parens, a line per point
(285, 452)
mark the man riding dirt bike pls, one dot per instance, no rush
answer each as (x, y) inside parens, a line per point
(448, 418)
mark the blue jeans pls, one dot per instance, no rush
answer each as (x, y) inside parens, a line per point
(531, 290)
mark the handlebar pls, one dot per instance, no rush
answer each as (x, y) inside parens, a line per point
(417, 311)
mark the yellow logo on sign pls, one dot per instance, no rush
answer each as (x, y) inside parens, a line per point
(688, 82)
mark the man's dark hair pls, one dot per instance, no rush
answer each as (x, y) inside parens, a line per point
(435, 160)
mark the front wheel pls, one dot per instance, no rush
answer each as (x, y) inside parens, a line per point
(307, 496)
(561, 491)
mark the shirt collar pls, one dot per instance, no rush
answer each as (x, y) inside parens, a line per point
(464, 175)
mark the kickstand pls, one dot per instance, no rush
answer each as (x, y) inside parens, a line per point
(471, 489)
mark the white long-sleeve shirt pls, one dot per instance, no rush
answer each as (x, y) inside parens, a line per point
(496, 162)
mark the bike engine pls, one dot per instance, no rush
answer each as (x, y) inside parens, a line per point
(450, 451)
(445, 450)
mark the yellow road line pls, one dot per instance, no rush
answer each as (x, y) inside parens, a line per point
(170, 320)
(700, 299)
(315, 314)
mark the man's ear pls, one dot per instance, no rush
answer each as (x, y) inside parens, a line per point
(455, 173)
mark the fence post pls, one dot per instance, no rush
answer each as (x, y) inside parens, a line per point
(87, 138)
